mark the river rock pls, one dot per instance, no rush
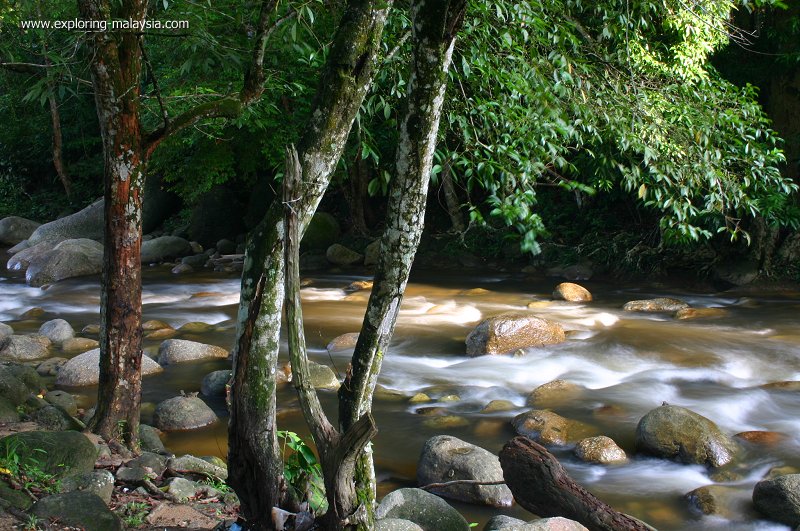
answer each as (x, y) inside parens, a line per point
(567, 291)
(8, 411)
(555, 394)
(511, 331)
(189, 465)
(57, 331)
(99, 482)
(155, 324)
(12, 387)
(700, 313)
(63, 400)
(15, 229)
(70, 258)
(730, 503)
(601, 450)
(343, 342)
(660, 304)
(5, 331)
(84, 369)
(779, 499)
(396, 524)
(496, 406)
(61, 453)
(218, 214)
(50, 366)
(147, 465)
(149, 439)
(24, 348)
(183, 413)
(181, 269)
(54, 418)
(181, 350)
(445, 458)
(338, 254)
(544, 427)
(226, 246)
(76, 345)
(322, 376)
(427, 510)
(195, 261)
(195, 327)
(676, 432)
(181, 489)
(91, 330)
(322, 232)
(163, 248)
(21, 260)
(87, 223)
(83, 510)
(501, 521)
(214, 383)
(372, 253)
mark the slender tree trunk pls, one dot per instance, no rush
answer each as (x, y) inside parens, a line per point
(357, 187)
(435, 24)
(58, 159)
(451, 198)
(254, 459)
(116, 70)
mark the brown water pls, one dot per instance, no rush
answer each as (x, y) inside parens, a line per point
(629, 363)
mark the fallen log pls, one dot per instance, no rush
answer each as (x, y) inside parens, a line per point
(542, 486)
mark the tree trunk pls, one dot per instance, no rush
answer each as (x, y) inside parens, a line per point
(435, 26)
(58, 159)
(116, 70)
(451, 199)
(540, 485)
(254, 458)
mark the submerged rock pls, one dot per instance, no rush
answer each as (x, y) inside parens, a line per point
(427, 510)
(730, 503)
(343, 342)
(445, 458)
(676, 432)
(544, 427)
(555, 394)
(660, 304)
(511, 331)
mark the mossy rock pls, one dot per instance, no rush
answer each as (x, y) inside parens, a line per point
(61, 453)
(323, 231)
(81, 509)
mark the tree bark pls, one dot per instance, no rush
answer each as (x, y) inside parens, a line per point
(435, 26)
(540, 485)
(451, 199)
(116, 70)
(254, 458)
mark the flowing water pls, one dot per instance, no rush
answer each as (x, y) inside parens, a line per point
(628, 363)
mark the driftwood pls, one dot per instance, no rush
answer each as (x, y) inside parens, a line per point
(541, 485)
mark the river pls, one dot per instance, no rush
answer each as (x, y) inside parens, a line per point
(629, 364)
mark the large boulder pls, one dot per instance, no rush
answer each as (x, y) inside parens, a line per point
(779, 499)
(445, 458)
(427, 510)
(217, 215)
(338, 254)
(15, 229)
(12, 388)
(84, 369)
(159, 203)
(182, 413)
(87, 223)
(676, 432)
(22, 259)
(70, 258)
(57, 331)
(322, 232)
(568, 291)
(181, 350)
(660, 304)
(508, 332)
(83, 510)
(61, 453)
(99, 482)
(163, 248)
(24, 348)
(5, 331)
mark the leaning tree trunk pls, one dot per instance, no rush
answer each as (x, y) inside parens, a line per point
(435, 24)
(116, 70)
(541, 485)
(254, 458)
